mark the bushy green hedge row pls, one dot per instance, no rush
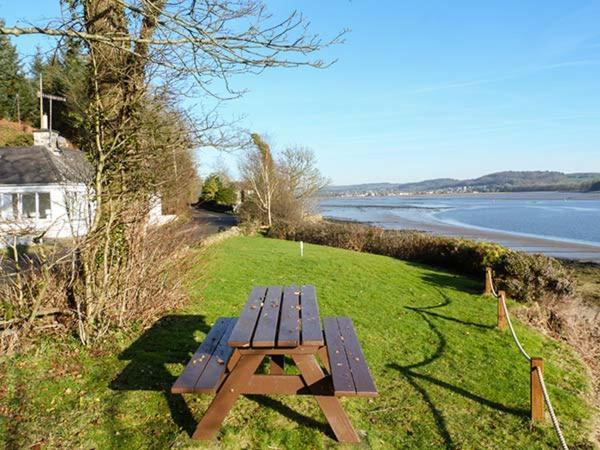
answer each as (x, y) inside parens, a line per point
(525, 277)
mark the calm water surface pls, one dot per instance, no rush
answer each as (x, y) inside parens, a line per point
(565, 217)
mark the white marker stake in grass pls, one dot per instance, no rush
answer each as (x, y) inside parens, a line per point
(301, 248)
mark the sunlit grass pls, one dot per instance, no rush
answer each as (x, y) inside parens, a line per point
(446, 376)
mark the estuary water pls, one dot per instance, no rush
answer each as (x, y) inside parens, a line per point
(559, 224)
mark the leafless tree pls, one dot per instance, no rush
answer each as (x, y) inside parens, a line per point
(300, 178)
(259, 174)
(135, 47)
(279, 187)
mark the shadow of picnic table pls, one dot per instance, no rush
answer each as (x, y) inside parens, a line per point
(169, 341)
(418, 380)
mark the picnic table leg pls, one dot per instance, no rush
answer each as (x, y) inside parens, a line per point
(322, 352)
(330, 405)
(277, 364)
(228, 393)
(235, 357)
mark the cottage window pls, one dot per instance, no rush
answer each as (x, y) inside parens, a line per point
(44, 207)
(8, 207)
(28, 205)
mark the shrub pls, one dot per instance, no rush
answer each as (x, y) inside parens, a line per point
(524, 277)
(36, 291)
(534, 277)
(20, 140)
(218, 192)
(226, 195)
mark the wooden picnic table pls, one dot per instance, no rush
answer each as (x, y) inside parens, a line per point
(276, 322)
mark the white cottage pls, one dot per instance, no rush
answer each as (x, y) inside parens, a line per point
(43, 191)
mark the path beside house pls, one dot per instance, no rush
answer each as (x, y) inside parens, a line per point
(203, 223)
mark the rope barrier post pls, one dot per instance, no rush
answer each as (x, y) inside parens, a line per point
(538, 391)
(537, 394)
(488, 281)
(501, 310)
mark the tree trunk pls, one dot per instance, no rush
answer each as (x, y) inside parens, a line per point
(121, 191)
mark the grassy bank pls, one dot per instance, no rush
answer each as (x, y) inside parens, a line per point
(447, 377)
(13, 134)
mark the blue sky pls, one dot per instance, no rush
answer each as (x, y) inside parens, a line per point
(427, 89)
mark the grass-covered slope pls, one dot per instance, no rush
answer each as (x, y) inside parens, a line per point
(446, 376)
(14, 135)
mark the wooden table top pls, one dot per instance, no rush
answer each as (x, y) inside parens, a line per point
(279, 317)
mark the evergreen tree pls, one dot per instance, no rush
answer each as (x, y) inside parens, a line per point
(11, 78)
(65, 75)
(226, 196)
(37, 64)
(36, 68)
(211, 187)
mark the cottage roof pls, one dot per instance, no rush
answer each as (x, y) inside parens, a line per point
(40, 165)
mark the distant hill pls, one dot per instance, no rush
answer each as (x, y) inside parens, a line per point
(510, 181)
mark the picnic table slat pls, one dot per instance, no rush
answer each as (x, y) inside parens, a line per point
(241, 335)
(289, 324)
(268, 320)
(192, 371)
(309, 317)
(341, 374)
(209, 380)
(363, 381)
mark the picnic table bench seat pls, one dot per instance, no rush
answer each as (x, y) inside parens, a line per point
(204, 372)
(348, 367)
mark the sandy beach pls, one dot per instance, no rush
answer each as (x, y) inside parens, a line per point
(530, 244)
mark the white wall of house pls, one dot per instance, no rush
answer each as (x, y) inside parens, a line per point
(55, 210)
(155, 215)
(59, 210)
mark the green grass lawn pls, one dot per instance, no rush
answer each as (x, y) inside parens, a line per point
(447, 378)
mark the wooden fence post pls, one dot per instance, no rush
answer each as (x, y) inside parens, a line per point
(501, 312)
(537, 396)
(488, 281)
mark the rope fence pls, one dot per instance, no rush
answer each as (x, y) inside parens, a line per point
(502, 300)
(539, 392)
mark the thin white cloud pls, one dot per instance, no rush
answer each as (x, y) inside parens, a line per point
(401, 137)
(509, 76)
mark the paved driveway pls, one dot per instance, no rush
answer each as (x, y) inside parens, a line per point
(205, 223)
